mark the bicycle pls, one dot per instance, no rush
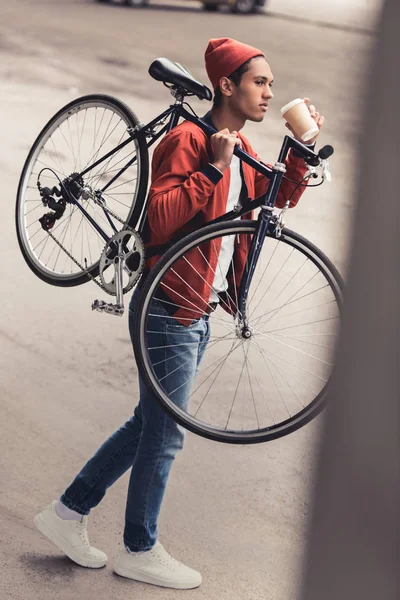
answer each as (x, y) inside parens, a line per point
(268, 364)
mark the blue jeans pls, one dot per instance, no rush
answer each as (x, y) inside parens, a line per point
(147, 443)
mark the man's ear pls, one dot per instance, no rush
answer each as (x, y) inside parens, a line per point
(225, 85)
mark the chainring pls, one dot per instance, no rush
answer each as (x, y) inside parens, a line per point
(126, 244)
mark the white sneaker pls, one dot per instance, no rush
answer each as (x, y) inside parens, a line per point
(69, 536)
(157, 567)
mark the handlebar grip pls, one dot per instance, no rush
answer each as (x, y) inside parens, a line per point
(315, 159)
(325, 152)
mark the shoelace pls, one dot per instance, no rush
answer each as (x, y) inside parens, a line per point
(82, 532)
(162, 555)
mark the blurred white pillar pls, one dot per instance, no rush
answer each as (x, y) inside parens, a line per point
(354, 540)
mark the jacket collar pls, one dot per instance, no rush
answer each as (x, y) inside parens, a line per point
(207, 119)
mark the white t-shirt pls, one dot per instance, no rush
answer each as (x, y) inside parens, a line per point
(220, 283)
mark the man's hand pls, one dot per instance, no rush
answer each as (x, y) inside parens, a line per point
(223, 143)
(319, 120)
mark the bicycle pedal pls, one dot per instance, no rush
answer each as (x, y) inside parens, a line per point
(107, 307)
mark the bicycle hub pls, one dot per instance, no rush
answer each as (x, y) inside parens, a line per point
(246, 333)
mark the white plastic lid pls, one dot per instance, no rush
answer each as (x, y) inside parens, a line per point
(290, 105)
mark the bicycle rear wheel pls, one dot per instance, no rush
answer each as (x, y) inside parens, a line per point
(80, 134)
(246, 390)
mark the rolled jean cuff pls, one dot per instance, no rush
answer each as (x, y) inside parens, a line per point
(136, 547)
(72, 506)
(139, 537)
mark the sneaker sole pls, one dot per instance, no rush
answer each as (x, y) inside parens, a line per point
(58, 541)
(145, 578)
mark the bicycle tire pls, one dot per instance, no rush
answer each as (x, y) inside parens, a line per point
(128, 119)
(295, 241)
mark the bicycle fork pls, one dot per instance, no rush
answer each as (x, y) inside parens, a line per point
(265, 220)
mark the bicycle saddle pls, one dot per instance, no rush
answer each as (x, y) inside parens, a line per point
(167, 71)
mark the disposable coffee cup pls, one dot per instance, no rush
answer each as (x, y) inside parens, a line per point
(298, 116)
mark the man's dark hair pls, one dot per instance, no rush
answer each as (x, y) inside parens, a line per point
(235, 77)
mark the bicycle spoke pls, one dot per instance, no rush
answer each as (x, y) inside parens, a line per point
(256, 320)
(201, 277)
(103, 169)
(175, 370)
(47, 238)
(33, 209)
(222, 275)
(79, 145)
(200, 312)
(118, 201)
(288, 283)
(301, 324)
(265, 357)
(55, 247)
(296, 312)
(165, 360)
(83, 128)
(52, 168)
(269, 353)
(54, 229)
(297, 349)
(263, 395)
(56, 152)
(217, 370)
(103, 141)
(72, 145)
(305, 341)
(121, 184)
(114, 168)
(234, 397)
(59, 130)
(276, 276)
(251, 387)
(180, 366)
(293, 296)
(262, 350)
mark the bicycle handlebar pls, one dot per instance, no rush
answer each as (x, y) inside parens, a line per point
(310, 157)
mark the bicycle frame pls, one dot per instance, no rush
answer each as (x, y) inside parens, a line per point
(169, 119)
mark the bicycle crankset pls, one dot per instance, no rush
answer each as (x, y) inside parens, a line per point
(120, 267)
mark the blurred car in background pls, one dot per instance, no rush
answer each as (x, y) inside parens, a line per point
(237, 6)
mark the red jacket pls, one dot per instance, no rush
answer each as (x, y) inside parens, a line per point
(185, 194)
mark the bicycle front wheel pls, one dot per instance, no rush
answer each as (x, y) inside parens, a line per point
(246, 389)
(79, 135)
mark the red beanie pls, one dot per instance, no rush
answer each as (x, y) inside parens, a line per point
(224, 55)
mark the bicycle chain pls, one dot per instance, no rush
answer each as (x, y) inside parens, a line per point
(77, 263)
(91, 277)
(113, 214)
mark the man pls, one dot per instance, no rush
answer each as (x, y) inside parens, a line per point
(194, 180)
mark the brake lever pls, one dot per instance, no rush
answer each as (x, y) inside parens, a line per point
(326, 173)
